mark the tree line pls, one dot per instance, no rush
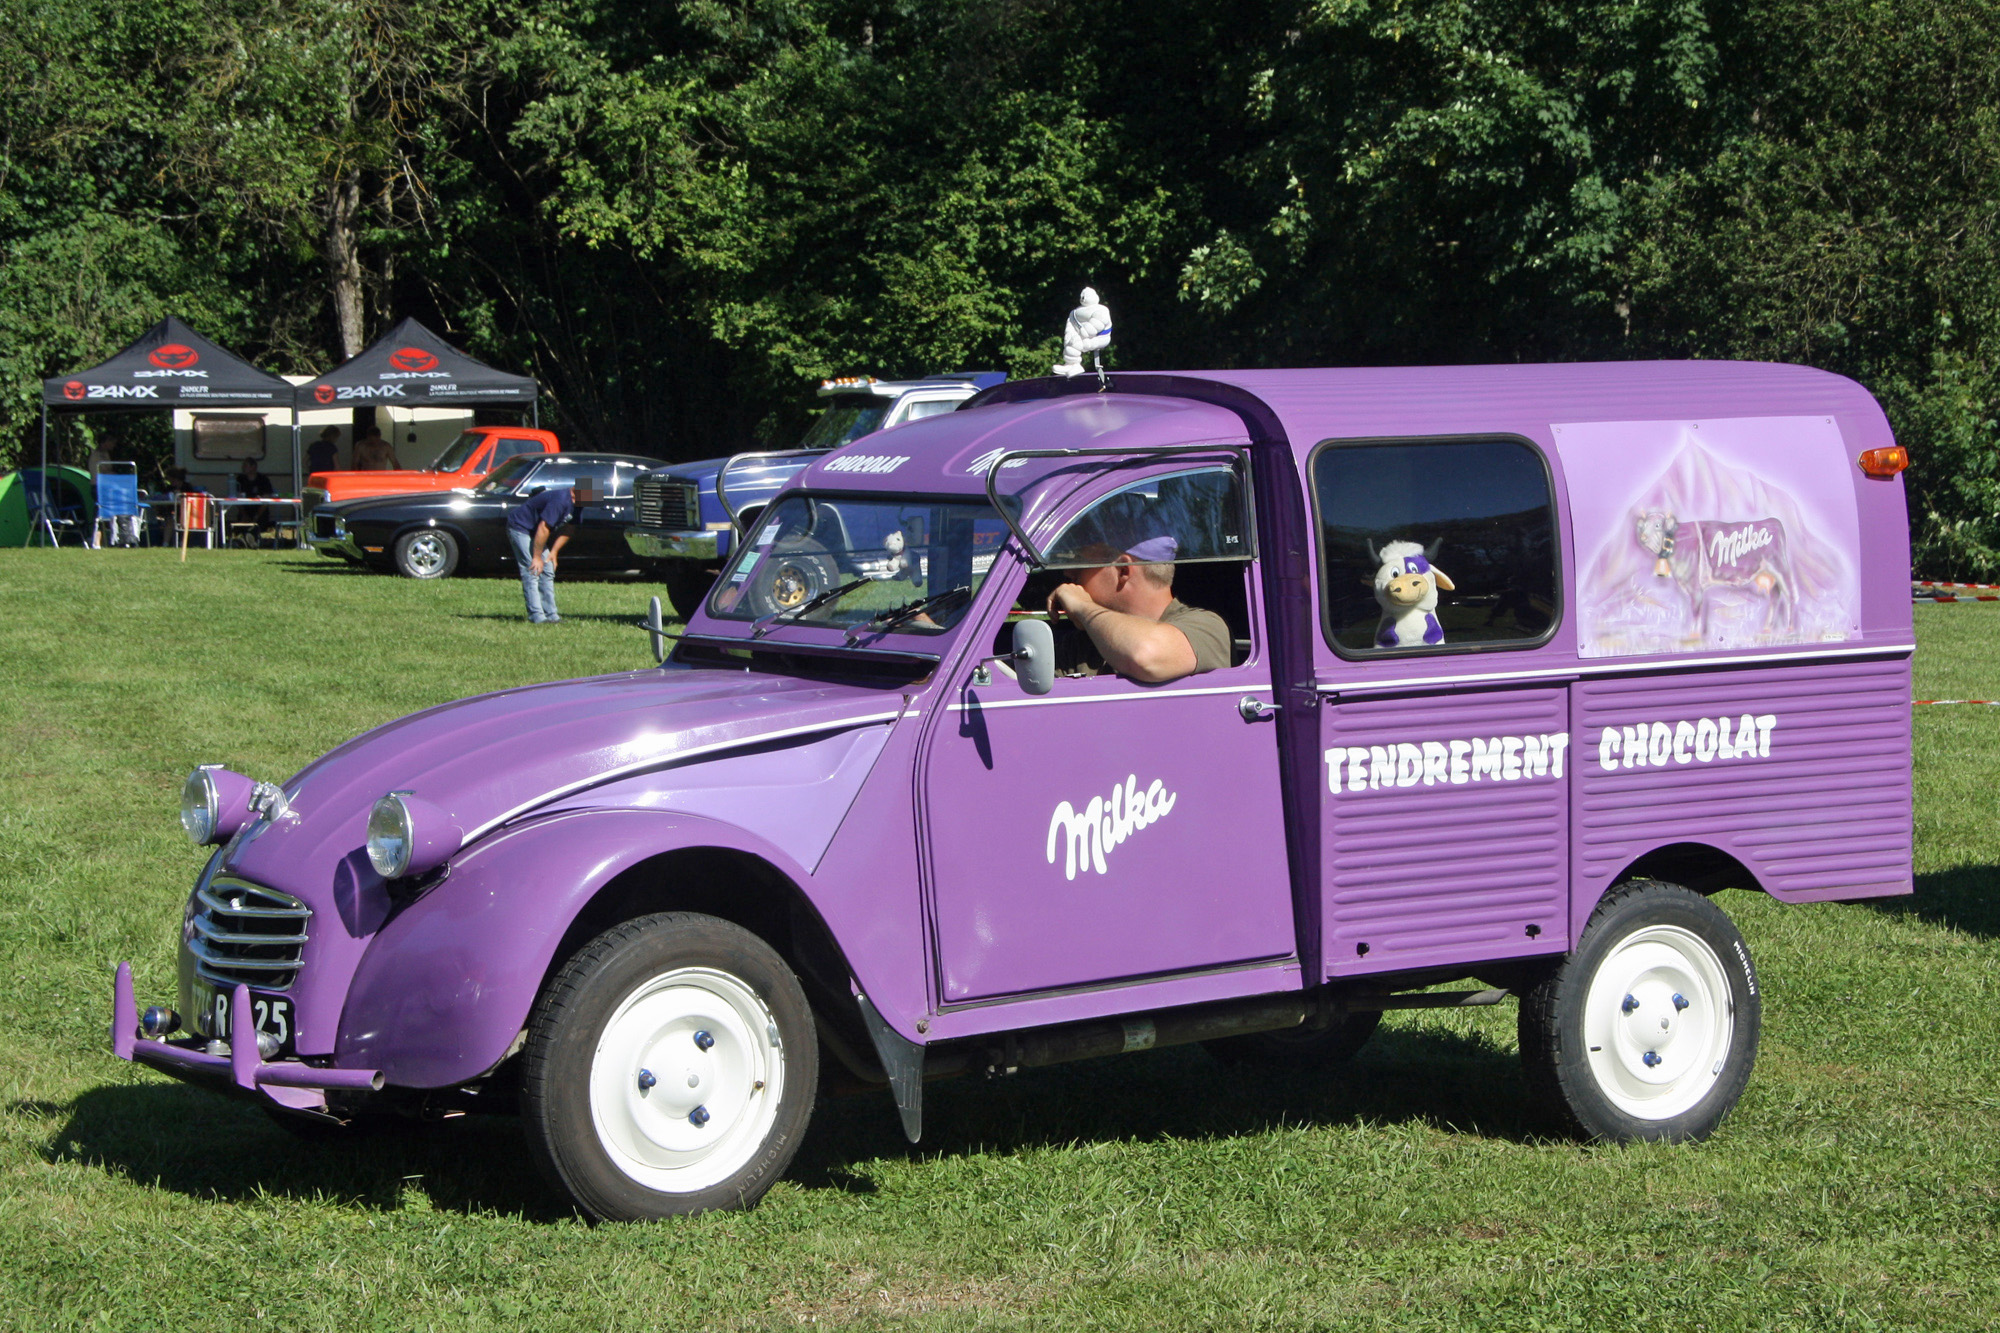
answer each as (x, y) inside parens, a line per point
(679, 216)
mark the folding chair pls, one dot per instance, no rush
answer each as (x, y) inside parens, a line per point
(191, 518)
(62, 514)
(118, 505)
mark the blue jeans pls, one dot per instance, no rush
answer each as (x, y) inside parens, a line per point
(538, 589)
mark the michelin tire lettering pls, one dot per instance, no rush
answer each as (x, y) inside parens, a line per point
(1102, 826)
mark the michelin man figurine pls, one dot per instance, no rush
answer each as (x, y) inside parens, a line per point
(1088, 330)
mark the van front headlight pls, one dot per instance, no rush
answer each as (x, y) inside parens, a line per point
(214, 804)
(408, 836)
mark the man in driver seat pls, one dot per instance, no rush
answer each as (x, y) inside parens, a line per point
(1130, 621)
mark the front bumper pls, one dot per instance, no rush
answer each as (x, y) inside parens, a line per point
(660, 544)
(292, 1084)
(340, 545)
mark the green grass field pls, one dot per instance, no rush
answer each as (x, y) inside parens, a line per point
(1857, 1187)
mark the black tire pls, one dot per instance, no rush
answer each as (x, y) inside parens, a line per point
(1302, 1047)
(648, 993)
(794, 573)
(1648, 1030)
(427, 553)
(687, 583)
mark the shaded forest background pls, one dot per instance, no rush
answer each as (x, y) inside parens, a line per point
(679, 216)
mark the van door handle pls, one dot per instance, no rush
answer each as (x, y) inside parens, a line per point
(1254, 709)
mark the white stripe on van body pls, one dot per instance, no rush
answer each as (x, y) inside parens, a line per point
(1623, 666)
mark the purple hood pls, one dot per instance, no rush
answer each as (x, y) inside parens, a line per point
(494, 757)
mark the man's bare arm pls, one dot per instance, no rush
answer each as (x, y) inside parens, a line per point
(1133, 646)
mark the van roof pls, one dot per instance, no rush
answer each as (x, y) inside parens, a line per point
(949, 453)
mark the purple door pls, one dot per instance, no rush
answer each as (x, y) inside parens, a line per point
(1105, 831)
(1446, 823)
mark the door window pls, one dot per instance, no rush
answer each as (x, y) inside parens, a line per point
(1435, 545)
(509, 447)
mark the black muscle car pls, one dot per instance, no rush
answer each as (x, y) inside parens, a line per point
(433, 535)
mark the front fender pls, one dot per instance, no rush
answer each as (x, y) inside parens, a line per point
(447, 984)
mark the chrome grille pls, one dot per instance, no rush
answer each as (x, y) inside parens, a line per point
(665, 502)
(245, 932)
(323, 526)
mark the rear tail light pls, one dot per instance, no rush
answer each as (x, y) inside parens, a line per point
(1885, 462)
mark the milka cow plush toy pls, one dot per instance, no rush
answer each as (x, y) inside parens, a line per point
(1407, 587)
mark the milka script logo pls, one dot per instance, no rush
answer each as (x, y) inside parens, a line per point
(985, 462)
(1726, 548)
(1103, 824)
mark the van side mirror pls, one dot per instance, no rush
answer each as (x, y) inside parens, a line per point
(1035, 655)
(657, 630)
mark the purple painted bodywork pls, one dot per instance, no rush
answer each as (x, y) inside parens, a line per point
(942, 830)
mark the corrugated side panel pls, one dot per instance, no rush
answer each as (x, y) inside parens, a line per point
(1823, 810)
(1436, 872)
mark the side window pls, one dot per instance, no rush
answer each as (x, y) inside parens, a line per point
(1178, 519)
(1189, 530)
(929, 407)
(1430, 546)
(507, 448)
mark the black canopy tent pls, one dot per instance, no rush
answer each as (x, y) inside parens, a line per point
(167, 366)
(410, 366)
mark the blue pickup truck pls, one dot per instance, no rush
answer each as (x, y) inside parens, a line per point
(688, 514)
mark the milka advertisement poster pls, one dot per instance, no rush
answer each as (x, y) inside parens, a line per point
(1711, 534)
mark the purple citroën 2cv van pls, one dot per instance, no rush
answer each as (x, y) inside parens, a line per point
(1523, 661)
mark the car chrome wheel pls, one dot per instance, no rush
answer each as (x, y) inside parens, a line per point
(427, 553)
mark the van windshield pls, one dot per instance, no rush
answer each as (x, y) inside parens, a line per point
(868, 565)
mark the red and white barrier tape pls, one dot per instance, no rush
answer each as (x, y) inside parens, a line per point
(1933, 590)
(1990, 703)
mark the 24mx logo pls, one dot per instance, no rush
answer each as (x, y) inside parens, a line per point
(111, 390)
(173, 356)
(412, 358)
(328, 393)
(73, 391)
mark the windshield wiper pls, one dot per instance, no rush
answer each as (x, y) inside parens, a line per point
(777, 618)
(888, 620)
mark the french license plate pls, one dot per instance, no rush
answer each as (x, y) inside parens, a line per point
(272, 1014)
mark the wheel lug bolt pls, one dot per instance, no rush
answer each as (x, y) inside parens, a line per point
(703, 1040)
(646, 1079)
(1680, 1002)
(1631, 1003)
(698, 1117)
(1650, 1058)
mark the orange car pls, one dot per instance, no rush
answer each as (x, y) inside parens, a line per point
(463, 466)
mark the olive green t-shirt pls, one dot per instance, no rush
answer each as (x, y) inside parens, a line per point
(1206, 632)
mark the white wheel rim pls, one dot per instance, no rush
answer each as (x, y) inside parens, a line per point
(655, 1132)
(1658, 1022)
